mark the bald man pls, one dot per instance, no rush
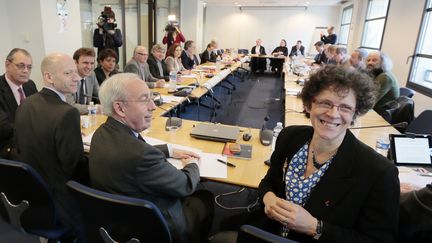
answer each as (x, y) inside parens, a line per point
(48, 135)
(138, 65)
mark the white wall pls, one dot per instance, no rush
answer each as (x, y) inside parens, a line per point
(6, 44)
(236, 28)
(192, 21)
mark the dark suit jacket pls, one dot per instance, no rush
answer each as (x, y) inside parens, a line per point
(122, 164)
(154, 70)
(320, 58)
(100, 75)
(329, 39)
(8, 107)
(258, 63)
(105, 40)
(187, 62)
(357, 198)
(48, 137)
(294, 51)
(208, 57)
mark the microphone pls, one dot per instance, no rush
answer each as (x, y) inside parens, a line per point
(266, 135)
(172, 123)
(400, 125)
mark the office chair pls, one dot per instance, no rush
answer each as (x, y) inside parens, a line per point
(403, 91)
(421, 124)
(252, 234)
(116, 218)
(399, 110)
(27, 201)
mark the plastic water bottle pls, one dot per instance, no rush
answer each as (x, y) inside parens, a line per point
(218, 63)
(277, 129)
(172, 81)
(92, 110)
(382, 146)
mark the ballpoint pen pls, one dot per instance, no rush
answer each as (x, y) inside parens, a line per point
(227, 163)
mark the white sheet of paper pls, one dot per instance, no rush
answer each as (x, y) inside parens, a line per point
(169, 99)
(408, 175)
(188, 76)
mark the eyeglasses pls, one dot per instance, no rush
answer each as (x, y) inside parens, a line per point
(328, 105)
(22, 66)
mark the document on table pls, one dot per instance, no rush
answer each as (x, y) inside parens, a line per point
(188, 76)
(294, 92)
(170, 98)
(209, 166)
(414, 177)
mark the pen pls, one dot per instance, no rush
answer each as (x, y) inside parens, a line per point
(227, 163)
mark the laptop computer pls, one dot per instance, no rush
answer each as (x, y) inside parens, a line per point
(215, 132)
(411, 149)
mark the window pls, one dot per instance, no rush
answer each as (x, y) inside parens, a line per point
(375, 20)
(345, 25)
(420, 77)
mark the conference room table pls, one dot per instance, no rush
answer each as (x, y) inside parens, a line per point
(248, 172)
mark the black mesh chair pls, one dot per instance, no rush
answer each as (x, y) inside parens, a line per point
(403, 91)
(421, 124)
(27, 202)
(252, 234)
(399, 110)
(115, 218)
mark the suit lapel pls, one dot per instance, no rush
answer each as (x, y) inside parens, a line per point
(8, 95)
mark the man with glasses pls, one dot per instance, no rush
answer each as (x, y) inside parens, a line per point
(138, 65)
(48, 135)
(123, 163)
(157, 65)
(15, 87)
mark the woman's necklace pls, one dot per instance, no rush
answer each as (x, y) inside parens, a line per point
(318, 165)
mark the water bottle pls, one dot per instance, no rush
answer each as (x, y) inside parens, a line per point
(92, 110)
(278, 128)
(172, 81)
(382, 146)
(218, 63)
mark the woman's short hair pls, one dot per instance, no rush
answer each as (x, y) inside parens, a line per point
(114, 89)
(171, 49)
(105, 53)
(341, 79)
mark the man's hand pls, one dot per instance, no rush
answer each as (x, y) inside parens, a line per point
(160, 83)
(111, 32)
(184, 154)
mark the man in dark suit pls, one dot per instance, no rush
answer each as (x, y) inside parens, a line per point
(48, 135)
(157, 65)
(258, 63)
(15, 86)
(321, 57)
(208, 54)
(123, 163)
(189, 58)
(330, 38)
(297, 50)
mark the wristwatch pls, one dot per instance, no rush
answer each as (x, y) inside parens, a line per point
(318, 231)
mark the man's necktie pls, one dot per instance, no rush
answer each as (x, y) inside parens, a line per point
(81, 99)
(21, 94)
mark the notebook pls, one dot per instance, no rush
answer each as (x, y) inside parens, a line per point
(215, 132)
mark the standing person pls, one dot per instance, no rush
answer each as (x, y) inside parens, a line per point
(209, 55)
(15, 87)
(258, 63)
(173, 60)
(88, 87)
(107, 62)
(189, 57)
(107, 35)
(157, 63)
(330, 38)
(48, 135)
(280, 51)
(297, 50)
(379, 66)
(358, 59)
(123, 163)
(323, 183)
(172, 36)
(138, 65)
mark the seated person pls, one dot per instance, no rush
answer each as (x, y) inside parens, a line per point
(330, 51)
(189, 57)
(415, 220)
(258, 63)
(173, 60)
(358, 59)
(277, 64)
(138, 65)
(107, 61)
(297, 50)
(156, 62)
(123, 163)
(323, 183)
(379, 67)
(208, 54)
(320, 58)
(340, 57)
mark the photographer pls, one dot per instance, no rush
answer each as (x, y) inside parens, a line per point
(107, 35)
(173, 35)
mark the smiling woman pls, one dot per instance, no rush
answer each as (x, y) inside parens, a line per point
(322, 181)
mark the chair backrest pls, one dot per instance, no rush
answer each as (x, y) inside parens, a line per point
(421, 124)
(252, 234)
(19, 181)
(122, 217)
(399, 110)
(404, 91)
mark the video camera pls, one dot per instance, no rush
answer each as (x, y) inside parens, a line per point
(104, 17)
(171, 26)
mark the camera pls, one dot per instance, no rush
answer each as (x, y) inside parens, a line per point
(104, 17)
(171, 27)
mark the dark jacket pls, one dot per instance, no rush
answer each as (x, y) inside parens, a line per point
(294, 51)
(154, 70)
(357, 198)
